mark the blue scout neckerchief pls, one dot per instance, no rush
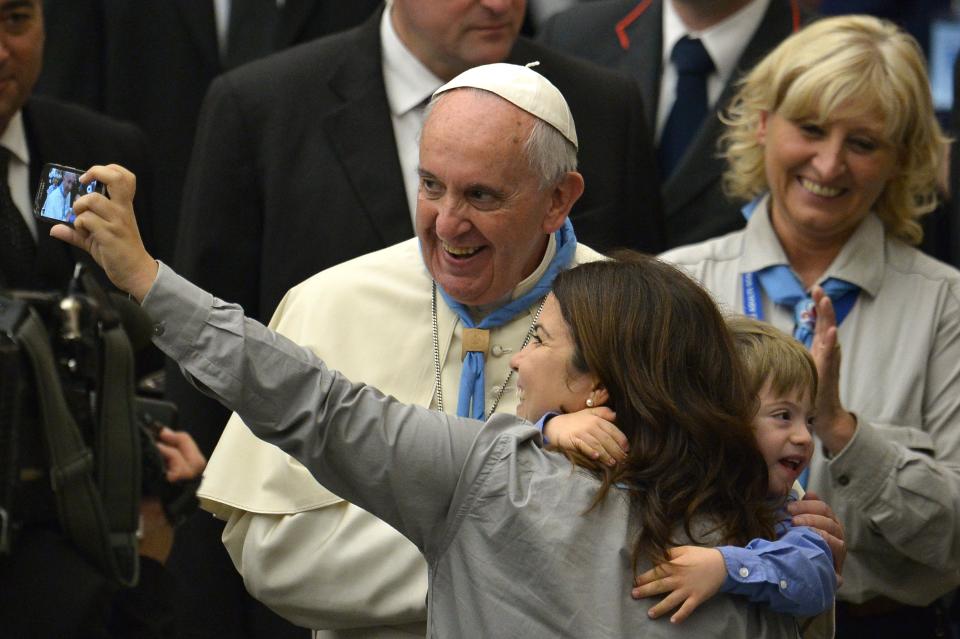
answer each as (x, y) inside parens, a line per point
(471, 401)
(783, 287)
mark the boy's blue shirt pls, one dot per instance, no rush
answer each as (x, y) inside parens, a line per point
(792, 575)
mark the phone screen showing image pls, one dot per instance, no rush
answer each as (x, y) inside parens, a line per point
(59, 188)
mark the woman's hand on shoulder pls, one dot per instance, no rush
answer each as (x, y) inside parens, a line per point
(590, 432)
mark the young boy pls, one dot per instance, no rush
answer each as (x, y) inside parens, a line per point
(792, 575)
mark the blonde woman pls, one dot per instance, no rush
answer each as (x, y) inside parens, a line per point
(832, 139)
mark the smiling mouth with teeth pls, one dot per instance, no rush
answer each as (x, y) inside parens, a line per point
(792, 463)
(820, 189)
(460, 251)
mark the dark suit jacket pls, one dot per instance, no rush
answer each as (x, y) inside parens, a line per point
(626, 36)
(151, 62)
(68, 134)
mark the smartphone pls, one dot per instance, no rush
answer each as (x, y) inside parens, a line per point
(58, 190)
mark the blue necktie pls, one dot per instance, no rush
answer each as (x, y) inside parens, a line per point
(693, 65)
(471, 402)
(782, 286)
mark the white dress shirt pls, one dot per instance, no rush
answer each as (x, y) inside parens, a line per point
(409, 84)
(724, 41)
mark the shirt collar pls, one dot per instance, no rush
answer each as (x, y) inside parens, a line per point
(407, 81)
(14, 138)
(724, 41)
(859, 262)
(530, 281)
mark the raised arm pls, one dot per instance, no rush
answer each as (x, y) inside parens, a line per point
(399, 462)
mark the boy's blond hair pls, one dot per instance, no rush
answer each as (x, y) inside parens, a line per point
(770, 354)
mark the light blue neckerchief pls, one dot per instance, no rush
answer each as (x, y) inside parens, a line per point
(471, 401)
(783, 287)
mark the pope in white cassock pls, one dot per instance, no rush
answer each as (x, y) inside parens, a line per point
(497, 180)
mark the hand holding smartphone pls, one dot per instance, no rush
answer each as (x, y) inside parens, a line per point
(58, 189)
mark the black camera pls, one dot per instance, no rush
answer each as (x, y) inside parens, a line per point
(75, 440)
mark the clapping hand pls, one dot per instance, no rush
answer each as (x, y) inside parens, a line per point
(834, 426)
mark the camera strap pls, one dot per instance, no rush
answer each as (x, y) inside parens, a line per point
(118, 435)
(117, 431)
(80, 508)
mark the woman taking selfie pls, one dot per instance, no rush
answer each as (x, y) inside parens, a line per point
(519, 541)
(833, 138)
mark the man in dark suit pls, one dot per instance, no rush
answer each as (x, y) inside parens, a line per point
(628, 37)
(151, 61)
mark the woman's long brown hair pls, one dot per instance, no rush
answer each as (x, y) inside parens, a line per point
(657, 342)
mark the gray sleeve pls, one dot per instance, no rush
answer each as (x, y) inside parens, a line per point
(399, 462)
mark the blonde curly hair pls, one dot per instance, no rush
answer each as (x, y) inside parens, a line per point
(866, 67)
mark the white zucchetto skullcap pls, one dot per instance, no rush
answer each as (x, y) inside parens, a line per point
(523, 87)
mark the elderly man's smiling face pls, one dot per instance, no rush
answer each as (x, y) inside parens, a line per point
(483, 216)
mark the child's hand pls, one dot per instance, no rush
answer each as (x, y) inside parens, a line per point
(590, 432)
(691, 577)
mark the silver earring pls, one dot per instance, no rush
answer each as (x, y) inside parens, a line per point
(589, 402)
